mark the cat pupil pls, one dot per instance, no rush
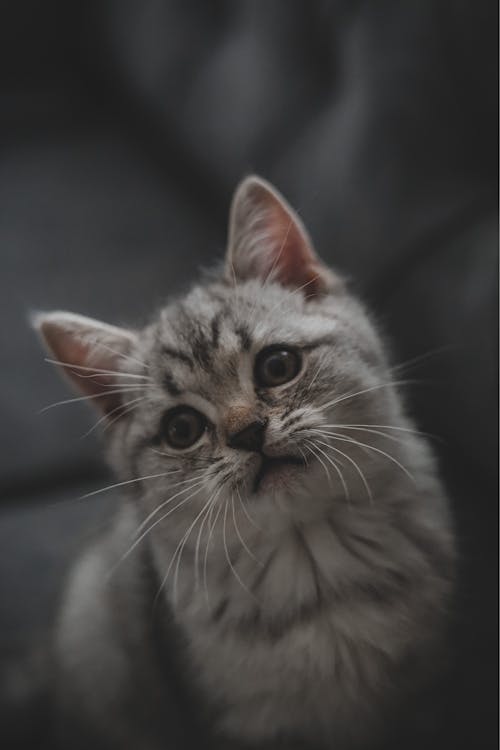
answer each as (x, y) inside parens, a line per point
(183, 428)
(276, 367)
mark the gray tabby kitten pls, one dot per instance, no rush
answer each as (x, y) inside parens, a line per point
(279, 509)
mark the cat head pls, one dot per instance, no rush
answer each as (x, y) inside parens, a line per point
(234, 390)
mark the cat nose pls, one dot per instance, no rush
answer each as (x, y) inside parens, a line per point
(250, 438)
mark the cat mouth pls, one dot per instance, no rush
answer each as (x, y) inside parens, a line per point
(272, 466)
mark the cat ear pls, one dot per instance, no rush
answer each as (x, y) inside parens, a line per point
(92, 355)
(267, 240)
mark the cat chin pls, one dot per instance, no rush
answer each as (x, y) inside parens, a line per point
(278, 476)
(278, 473)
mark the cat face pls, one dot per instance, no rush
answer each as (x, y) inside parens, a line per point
(231, 392)
(239, 380)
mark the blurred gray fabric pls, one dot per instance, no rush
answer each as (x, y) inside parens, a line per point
(125, 128)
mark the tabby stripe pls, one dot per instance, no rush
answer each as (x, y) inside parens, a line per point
(170, 385)
(244, 337)
(202, 349)
(292, 420)
(181, 356)
(215, 328)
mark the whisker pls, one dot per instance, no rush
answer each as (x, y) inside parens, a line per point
(392, 383)
(128, 481)
(181, 544)
(206, 517)
(245, 510)
(352, 441)
(191, 482)
(143, 536)
(86, 398)
(231, 566)
(409, 430)
(106, 417)
(94, 371)
(312, 449)
(421, 358)
(268, 278)
(126, 386)
(122, 355)
(302, 454)
(211, 528)
(249, 551)
(364, 429)
(332, 462)
(295, 291)
(357, 468)
(278, 256)
(177, 456)
(321, 365)
(205, 514)
(158, 521)
(132, 405)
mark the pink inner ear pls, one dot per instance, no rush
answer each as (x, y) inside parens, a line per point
(293, 261)
(77, 360)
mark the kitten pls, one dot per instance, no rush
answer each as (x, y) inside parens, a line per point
(280, 511)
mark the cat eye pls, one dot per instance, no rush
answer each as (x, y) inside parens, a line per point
(182, 427)
(276, 365)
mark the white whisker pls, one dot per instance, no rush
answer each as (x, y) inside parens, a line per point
(295, 291)
(245, 510)
(231, 566)
(321, 365)
(131, 406)
(126, 386)
(392, 383)
(302, 454)
(244, 545)
(122, 355)
(364, 429)
(352, 441)
(128, 481)
(420, 358)
(158, 521)
(95, 371)
(86, 398)
(191, 482)
(105, 417)
(278, 256)
(211, 528)
(143, 536)
(356, 466)
(206, 517)
(177, 455)
(312, 449)
(181, 544)
(409, 430)
(333, 463)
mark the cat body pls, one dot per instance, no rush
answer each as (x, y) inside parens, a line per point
(282, 516)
